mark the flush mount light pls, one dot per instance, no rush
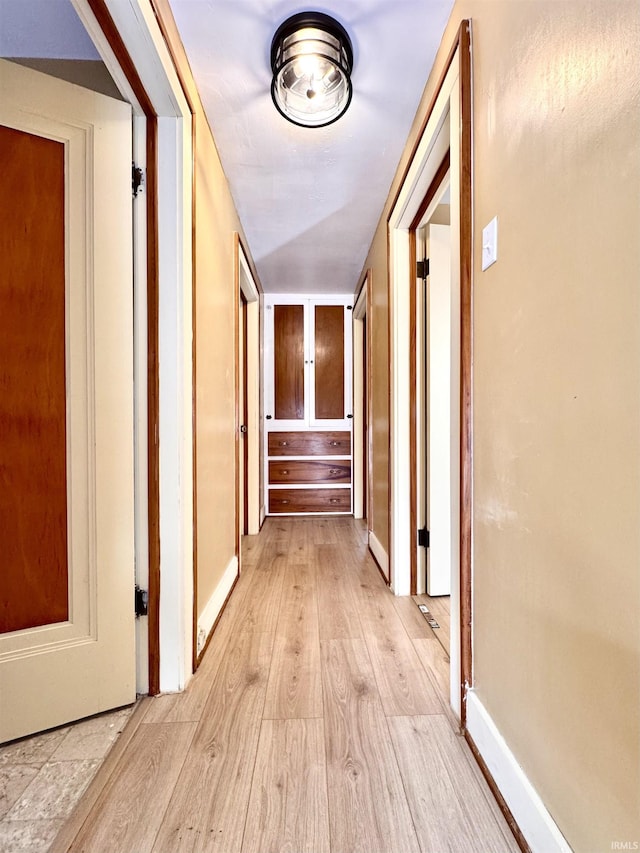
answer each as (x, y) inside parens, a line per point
(311, 60)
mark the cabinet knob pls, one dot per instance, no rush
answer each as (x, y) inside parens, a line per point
(284, 471)
(268, 417)
(334, 500)
(284, 444)
(284, 502)
(334, 470)
(334, 444)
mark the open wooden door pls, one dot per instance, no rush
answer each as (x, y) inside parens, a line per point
(66, 404)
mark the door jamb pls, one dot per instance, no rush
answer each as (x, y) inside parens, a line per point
(361, 377)
(130, 41)
(246, 284)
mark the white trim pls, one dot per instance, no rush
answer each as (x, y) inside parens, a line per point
(252, 380)
(357, 442)
(140, 367)
(381, 556)
(534, 821)
(215, 604)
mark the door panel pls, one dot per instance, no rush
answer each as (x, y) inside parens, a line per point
(74, 334)
(329, 362)
(442, 452)
(33, 457)
(288, 334)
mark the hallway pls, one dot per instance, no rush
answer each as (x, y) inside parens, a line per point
(318, 721)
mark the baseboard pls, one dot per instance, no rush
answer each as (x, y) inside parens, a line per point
(379, 554)
(529, 812)
(207, 618)
(263, 515)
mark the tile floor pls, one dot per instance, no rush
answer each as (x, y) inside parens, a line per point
(44, 776)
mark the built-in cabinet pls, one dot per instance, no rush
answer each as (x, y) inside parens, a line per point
(308, 400)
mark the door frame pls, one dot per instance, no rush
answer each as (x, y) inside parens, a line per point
(246, 287)
(361, 449)
(452, 98)
(418, 419)
(132, 45)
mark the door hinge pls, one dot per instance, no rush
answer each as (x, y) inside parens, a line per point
(141, 601)
(137, 179)
(423, 537)
(422, 269)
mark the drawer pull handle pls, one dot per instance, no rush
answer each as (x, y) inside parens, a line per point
(334, 500)
(284, 471)
(284, 502)
(334, 470)
(284, 443)
(334, 444)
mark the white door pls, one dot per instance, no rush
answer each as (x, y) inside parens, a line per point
(66, 415)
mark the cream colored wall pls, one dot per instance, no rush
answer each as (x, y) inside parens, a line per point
(556, 556)
(215, 309)
(215, 377)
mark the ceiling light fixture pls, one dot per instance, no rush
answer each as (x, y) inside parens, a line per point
(311, 61)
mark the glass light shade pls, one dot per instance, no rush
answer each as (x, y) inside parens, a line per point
(311, 60)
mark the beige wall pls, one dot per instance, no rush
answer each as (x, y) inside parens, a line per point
(556, 515)
(215, 306)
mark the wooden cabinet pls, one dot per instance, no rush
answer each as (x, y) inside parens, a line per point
(308, 404)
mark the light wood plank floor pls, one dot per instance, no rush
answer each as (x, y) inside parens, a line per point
(318, 721)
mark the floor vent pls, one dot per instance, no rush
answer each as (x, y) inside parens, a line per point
(428, 616)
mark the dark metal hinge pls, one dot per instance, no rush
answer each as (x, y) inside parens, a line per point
(423, 537)
(137, 179)
(141, 602)
(422, 269)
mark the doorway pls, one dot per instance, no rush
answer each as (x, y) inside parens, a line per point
(437, 414)
(447, 128)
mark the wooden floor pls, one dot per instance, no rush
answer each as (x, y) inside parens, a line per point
(317, 722)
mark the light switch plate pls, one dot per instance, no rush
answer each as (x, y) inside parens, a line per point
(490, 243)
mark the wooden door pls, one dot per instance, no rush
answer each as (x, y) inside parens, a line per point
(328, 361)
(289, 362)
(66, 394)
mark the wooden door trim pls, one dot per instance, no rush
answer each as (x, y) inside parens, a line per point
(245, 417)
(123, 58)
(237, 294)
(466, 363)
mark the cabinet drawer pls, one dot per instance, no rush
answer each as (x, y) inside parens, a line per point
(310, 443)
(309, 500)
(311, 471)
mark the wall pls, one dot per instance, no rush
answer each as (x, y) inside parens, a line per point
(556, 551)
(216, 298)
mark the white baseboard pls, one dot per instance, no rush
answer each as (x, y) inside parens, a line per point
(382, 558)
(212, 608)
(534, 821)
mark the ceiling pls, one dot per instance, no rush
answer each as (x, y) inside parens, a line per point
(309, 199)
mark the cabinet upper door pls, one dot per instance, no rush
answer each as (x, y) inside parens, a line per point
(328, 362)
(288, 362)
(308, 362)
